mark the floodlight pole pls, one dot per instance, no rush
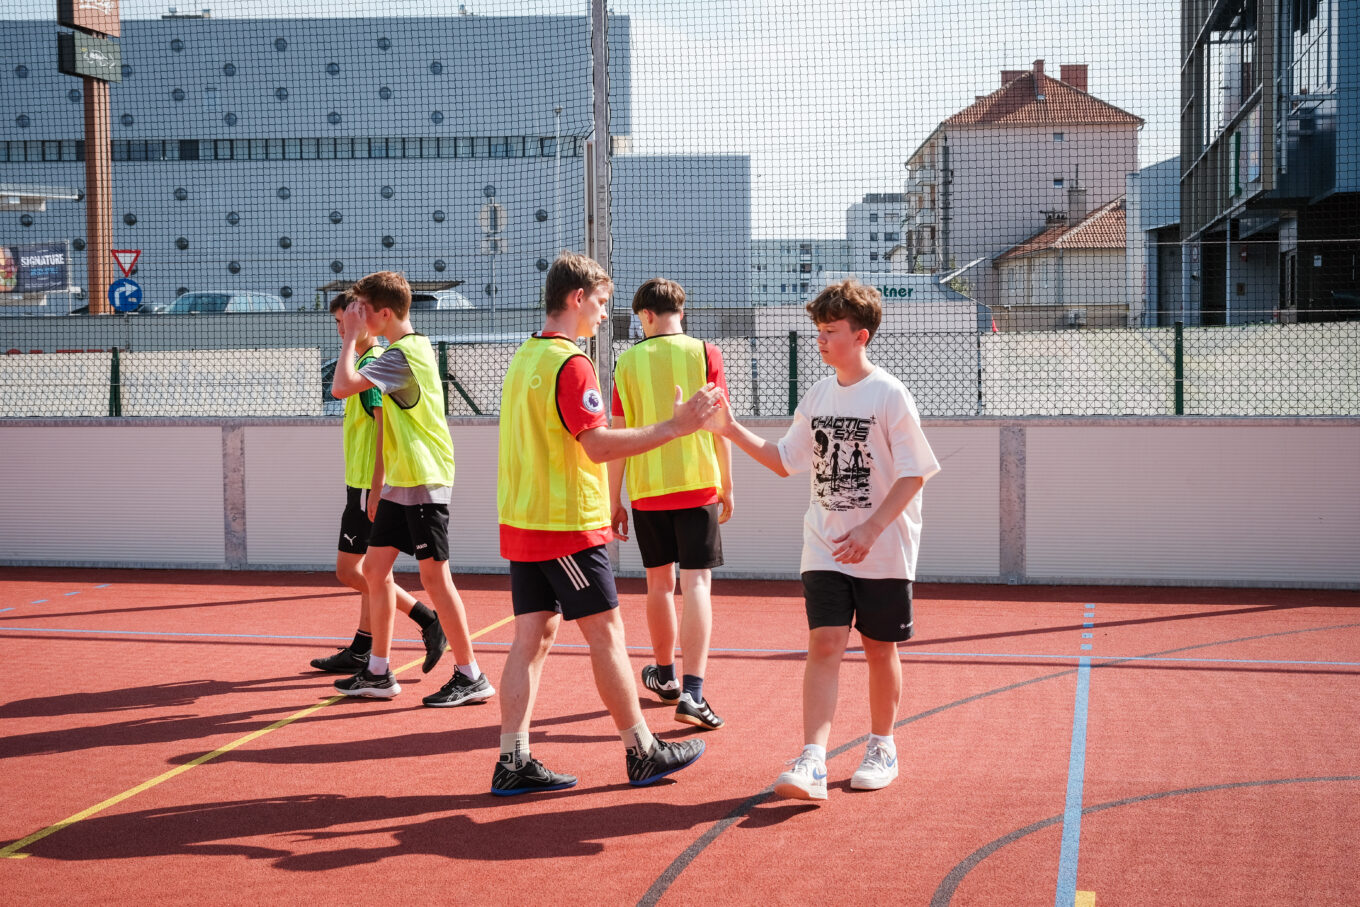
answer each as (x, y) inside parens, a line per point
(98, 196)
(597, 187)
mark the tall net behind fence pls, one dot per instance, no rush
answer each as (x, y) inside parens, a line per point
(1069, 207)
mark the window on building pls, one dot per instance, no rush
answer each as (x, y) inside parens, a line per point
(873, 236)
(210, 99)
(292, 149)
(1057, 182)
(873, 218)
(222, 149)
(1059, 136)
(873, 256)
(890, 237)
(464, 147)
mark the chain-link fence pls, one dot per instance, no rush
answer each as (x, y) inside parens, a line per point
(1039, 206)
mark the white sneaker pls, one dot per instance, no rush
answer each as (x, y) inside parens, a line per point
(877, 770)
(805, 781)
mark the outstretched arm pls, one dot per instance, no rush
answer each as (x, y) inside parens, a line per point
(603, 444)
(764, 452)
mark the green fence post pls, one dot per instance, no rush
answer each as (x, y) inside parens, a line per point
(1180, 368)
(115, 386)
(444, 373)
(793, 371)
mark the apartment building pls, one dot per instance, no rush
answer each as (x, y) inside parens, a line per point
(1270, 160)
(993, 174)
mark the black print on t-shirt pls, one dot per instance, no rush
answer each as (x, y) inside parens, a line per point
(841, 462)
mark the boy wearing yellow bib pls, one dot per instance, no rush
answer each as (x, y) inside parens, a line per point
(553, 506)
(413, 515)
(362, 435)
(679, 493)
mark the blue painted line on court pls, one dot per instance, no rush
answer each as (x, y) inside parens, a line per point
(103, 585)
(1076, 779)
(1086, 647)
(77, 592)
(1088, 625)
(3, 610)
(39, 601)
(1087, 635)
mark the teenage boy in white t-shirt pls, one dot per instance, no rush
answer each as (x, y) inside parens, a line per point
(859, 434)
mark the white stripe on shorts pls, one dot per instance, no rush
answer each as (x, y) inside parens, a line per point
(573, 572)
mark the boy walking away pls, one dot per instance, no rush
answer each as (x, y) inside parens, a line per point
(861, 532)
(362, 439)
(553, 505)
(676, 491)
(413, 515)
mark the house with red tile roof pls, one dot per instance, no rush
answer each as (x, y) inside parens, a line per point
(993, 174)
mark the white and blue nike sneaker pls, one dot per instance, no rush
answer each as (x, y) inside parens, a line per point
(805, 781)
(878, 769)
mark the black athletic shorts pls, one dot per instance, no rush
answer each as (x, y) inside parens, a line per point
(688, 537)
(354, 524)
(575, 586)
(421, 530)
(879, 608)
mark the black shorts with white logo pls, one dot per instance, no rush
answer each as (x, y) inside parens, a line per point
(879, 608)
(575, 586)
(421, 530)
(354, 524)
(687, 537)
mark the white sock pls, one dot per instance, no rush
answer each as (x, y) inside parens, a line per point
(471, 672)
(818, 752)
(516, 745)
(638, 737)
(884, 743)
(377, 665)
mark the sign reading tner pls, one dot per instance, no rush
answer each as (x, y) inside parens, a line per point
(98, 16)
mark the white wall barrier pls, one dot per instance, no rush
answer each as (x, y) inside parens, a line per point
(1222, 501)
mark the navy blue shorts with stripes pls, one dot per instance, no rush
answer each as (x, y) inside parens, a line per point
(575, 586)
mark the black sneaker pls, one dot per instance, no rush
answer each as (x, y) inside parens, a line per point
(370, 685)
(664, 759)
(342, 662)
(533, 777)
(651, 679)
(700, 715)
(460, 691)
(435, 644)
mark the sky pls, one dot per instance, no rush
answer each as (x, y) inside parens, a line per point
(828, 98)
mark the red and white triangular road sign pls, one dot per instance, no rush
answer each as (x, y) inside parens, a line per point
(127, 259)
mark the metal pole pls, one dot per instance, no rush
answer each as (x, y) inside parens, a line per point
(115, 386)
(601, 247)
(1180, 368)
(98, 196)
(793, 371)
(444, 373)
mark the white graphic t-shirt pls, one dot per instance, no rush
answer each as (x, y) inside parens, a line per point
(856, 441)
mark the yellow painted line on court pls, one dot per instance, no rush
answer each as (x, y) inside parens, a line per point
(1085, 899)
(12, 851)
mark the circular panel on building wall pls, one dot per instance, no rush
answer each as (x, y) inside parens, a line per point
(280, 44)
(285, 242)
(181, 243)
(26, 220)
(385, 93)
(281, 93)
(181, 194)
(180, 291)
(336, 217)
(78, 244)
(440, 264)
(234, 267)
(126, 119)
(284, 193)
(489, 289)
(177, 94)
(387, 192)
(229, 119)
(229, 69)
(436, 68)
(21, 71)
(437, 117)
(23, 121)
(333, 118)
(438, 217)
(541, 264)
(384, 43)
(286, 292)
(73, 95)
(337, 266)
(127, 71)
(388, 242)
(130, 219)
(489, 190)
(177, 45)
(332, 69)
(540, 215)
(233, 218)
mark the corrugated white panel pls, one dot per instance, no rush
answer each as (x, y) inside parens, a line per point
(1251, 503)
(295, 492)
(110, 494)
(961, 512)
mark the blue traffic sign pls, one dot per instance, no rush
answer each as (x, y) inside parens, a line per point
(125, 295)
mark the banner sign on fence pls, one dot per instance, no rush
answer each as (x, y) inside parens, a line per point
(35, 268)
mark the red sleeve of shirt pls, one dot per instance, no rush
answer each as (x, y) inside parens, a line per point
(716, 374)
(617, 408)
(578, 396)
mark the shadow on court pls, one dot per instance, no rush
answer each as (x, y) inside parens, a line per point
(333, 831)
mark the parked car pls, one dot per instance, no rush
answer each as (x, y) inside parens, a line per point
(444, 299)
(219, 303)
